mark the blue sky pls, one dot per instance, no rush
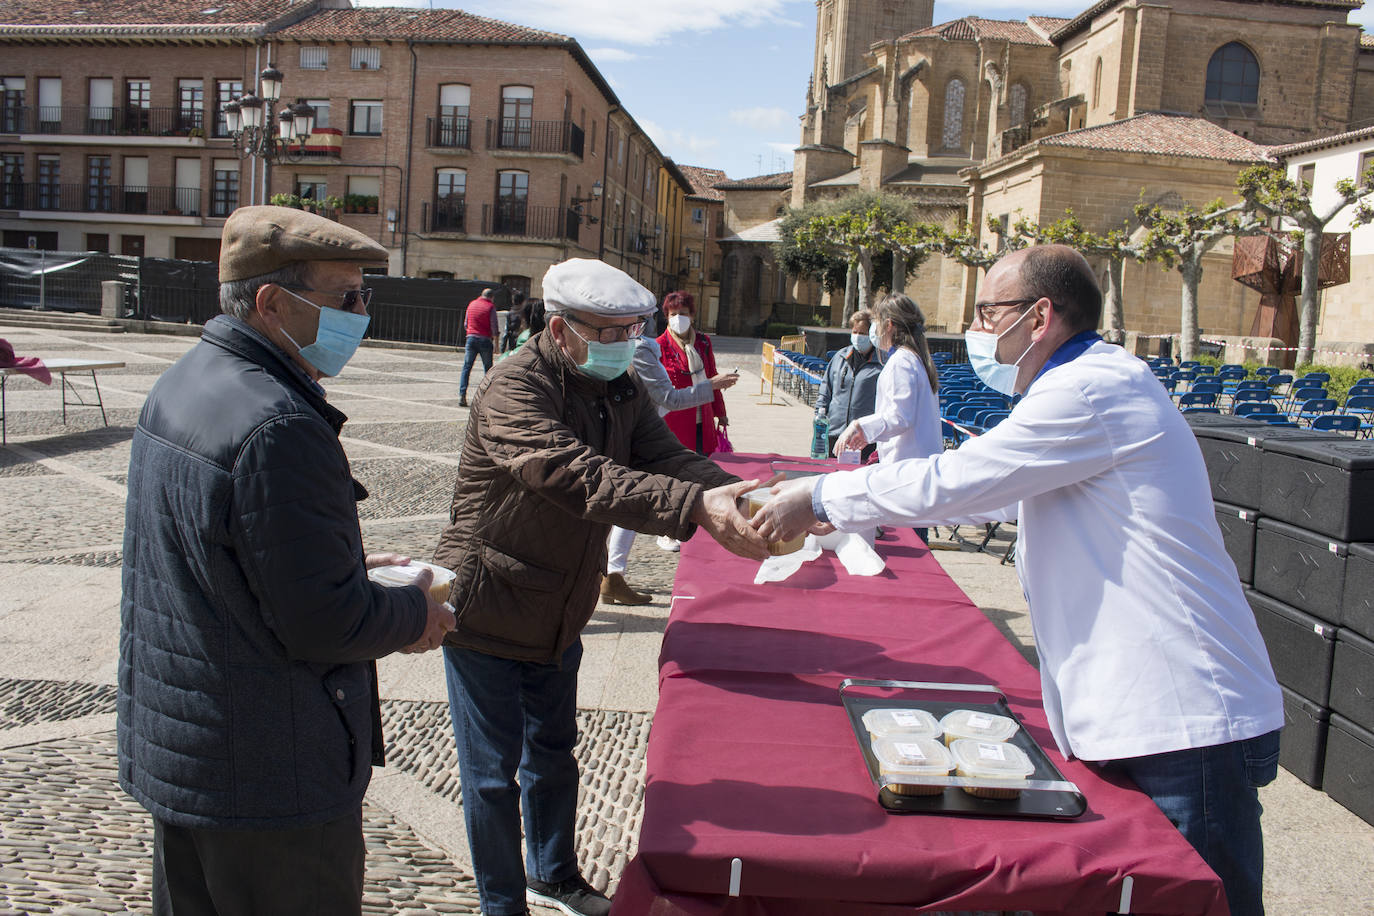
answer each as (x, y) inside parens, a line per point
(715, 83)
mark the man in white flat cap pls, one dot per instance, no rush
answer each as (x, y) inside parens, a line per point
(562, 443)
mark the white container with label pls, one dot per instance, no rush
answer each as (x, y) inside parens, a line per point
(1005, 763)
(396, 576)
(970, 723)
(912, 723)
(903, 755)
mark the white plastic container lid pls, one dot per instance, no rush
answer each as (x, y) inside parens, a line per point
(397, 576)
(907, 756)
(990, 760)
(911, 723)
(969, 723)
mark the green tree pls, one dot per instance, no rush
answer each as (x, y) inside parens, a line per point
(1269, 192)
(1179, 240)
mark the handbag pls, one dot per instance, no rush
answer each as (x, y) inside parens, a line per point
(723, 440)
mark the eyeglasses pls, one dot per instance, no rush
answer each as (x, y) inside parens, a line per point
(986, 315)
(611, 334)
(348, 299)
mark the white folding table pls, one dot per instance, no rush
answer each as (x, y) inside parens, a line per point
(60, 366)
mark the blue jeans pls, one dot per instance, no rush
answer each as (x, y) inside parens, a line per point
(1209, 794)
(475, 347)
(509, 714)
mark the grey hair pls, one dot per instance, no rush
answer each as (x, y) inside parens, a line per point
(239, 298)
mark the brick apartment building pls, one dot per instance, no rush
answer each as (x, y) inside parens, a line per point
(699, 263)
(467, 146)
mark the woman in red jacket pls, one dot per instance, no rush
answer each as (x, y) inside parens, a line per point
(688, 358)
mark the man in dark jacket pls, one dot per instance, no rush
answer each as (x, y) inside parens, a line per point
(561, 444)
(248, 713)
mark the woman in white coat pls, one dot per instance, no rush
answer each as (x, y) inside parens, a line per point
(905, 422)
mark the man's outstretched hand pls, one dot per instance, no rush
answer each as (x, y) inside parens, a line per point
(718, 512)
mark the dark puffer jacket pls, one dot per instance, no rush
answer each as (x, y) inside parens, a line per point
(551, 460)
(247, 690)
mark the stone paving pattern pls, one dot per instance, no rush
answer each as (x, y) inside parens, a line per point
(72, 842)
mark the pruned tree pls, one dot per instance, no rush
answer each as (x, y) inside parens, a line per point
(1115, 246)
(1179, 240)
(1269, 193)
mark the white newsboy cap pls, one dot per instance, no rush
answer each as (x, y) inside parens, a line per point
(588, 285)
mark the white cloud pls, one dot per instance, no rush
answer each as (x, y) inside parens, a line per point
(680, 145)
(634, 22)
(611, 55)
(762, 118)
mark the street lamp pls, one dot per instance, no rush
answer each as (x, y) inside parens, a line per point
(577, 202)
(258, 130)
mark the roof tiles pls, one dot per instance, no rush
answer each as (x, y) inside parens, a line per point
(164, 15)
(1162, 134)
(704, 181)
(975, 28)
(777, 181)
(409, 23)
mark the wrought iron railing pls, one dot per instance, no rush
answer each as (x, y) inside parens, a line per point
(446, 214)
(84, 120)
(406, 321)
(100, 198)
(520, 219)
(535, 136)
(449, 132)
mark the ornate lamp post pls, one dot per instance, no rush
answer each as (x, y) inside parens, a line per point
(577, 202)
(259, 131)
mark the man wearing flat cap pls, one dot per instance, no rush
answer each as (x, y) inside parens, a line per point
(562, 443)
(248, 714)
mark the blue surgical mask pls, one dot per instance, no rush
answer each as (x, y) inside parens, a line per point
(982, 353)
(336, 338)
(875, 339)
(606, 361)
(861, 342)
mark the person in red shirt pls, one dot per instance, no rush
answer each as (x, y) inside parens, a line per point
(480, 322)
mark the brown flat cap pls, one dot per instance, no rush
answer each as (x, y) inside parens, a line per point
(259, 240)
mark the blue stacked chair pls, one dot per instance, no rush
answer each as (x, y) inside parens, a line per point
(1251, 409)
(1197, 399)
(1245, 396)
(1361, 407)
(1267, 371)
(1313, 408)
(1300, 395)
(1341, 423)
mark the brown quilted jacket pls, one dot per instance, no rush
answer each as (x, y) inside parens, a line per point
(551, 460)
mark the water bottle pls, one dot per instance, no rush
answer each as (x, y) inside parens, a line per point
(820, 436)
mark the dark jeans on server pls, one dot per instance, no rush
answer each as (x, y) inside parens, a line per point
(300, 871)
(475, 347)
(508, 715)
(1210, 795)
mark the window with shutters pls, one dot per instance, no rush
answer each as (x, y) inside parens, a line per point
(365, 58)
(314, 58)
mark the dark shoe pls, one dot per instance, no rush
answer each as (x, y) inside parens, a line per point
(575, 897)
(615, 590)
(462, 400)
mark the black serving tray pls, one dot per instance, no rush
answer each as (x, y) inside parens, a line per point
(1046, 794)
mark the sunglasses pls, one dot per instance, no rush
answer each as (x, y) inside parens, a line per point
(348, 299)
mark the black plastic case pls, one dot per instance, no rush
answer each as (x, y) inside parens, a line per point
(1238, 534)
(1323, 486)
(1348, 776)
(1300, 568)
(1233, 455)
(1352, 678)
(1302, 744)
(1300, 646)
(1357, 605)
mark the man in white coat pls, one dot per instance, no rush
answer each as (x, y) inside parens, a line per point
(1150, 660)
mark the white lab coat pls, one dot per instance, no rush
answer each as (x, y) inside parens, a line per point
(906, 413)
(1145, 639)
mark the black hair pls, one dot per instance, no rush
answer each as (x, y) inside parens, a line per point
(1063, 276)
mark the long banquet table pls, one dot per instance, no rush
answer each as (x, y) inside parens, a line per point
(752, 757)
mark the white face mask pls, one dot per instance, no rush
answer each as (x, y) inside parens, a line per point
(680, 323)
(982, 353)
(862, 342)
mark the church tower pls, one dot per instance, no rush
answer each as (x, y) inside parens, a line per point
(846, 28)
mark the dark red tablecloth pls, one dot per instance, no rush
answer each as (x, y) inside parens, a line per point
(752, 756)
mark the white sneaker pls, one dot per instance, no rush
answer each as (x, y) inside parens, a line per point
(668, 543)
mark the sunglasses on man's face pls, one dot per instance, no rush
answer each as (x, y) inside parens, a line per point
(348, 299)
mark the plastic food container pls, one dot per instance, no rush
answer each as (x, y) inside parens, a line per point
(1006, 763)
(906, 756)
(396, 576)
(755, 500)
(970, 723)
(909, 723)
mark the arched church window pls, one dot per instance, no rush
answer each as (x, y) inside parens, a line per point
(1097, 83)
(954, 114)
(1018, 104)
(1233, 75)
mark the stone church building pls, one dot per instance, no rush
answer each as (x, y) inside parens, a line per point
(1155, 100)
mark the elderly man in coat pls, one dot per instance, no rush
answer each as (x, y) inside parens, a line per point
(562, 444)
(248, 714)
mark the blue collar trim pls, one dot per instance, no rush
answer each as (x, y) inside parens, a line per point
(1068, 351)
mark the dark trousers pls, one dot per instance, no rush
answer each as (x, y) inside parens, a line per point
(302, 871)
(476, 346)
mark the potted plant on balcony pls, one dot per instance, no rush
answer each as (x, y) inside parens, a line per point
(370, 204)
(351, 204)
(285, 200)
(332, 206)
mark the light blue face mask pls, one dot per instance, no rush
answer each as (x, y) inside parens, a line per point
(605, 361)
(862, 342)
(336, 338)
(982, 353)
(874, 338)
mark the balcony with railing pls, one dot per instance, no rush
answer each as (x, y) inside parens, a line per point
(84, 120)
(448, 132)
(100, 198)
(525, 136)
(445, 214)
(519, 219)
